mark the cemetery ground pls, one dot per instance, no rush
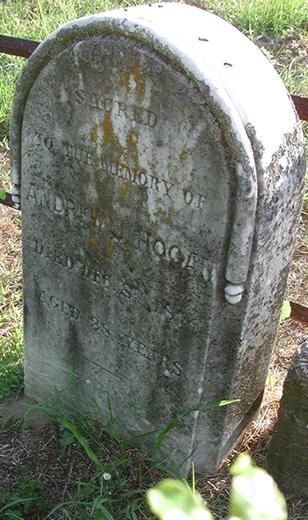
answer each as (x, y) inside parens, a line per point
(60, 466)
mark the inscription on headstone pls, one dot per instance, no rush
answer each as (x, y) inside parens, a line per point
(157, 229)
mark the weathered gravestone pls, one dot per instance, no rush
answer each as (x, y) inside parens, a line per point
(288, 449)
(160, 164)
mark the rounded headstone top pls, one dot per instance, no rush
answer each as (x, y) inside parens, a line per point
(236, 80)
(239, 77)
(237, 73)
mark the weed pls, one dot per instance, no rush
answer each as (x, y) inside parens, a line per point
(113, 491)
(22, 501)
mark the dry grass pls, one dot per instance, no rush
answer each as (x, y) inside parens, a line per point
(11, 359)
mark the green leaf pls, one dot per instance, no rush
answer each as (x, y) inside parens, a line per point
(223, 402)
(101, 513)
(174, 500)
(2, 194)
(66, 439)
(82, 441)
(270, 381)
(254, 494)
(285, 310)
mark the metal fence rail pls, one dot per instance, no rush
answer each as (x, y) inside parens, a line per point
(24, 48)
(17, 46)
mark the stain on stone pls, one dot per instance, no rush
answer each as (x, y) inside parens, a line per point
(124, 192)
(75, 348)
(135, 73)
(93, 134)
(109, 249)
(94, 241)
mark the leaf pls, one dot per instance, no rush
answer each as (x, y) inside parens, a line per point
(270, 381)
(285, 311)
(66, 439)
(219, 404)
(101, 513)
(174, 500)
(254, 494)
(82, 441)
(2, 194)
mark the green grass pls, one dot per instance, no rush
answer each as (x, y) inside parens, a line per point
(256, 17)
(111, 483)
(11, 364)
(22, 501)
(11, 349)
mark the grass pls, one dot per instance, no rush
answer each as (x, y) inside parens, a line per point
(59, 463)
(11, 349)
(107, 476)
(256, 17)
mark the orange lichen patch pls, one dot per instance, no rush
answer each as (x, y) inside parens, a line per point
(93, 134)
(184, 154)
(95, 212)
(109, 249)
(123, 80)
(134, 72)
(131, 141)
(124, 192)
(93, 241)
(108, 130)
(110, 139)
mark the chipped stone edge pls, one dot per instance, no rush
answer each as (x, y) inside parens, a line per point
(119, 23)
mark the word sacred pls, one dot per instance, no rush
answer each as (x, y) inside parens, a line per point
(132, 113)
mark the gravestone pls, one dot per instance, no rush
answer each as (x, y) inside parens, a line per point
(288, 450)
(160, 164)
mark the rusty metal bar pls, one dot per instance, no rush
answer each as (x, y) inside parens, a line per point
(301, 105)
(17, 46)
